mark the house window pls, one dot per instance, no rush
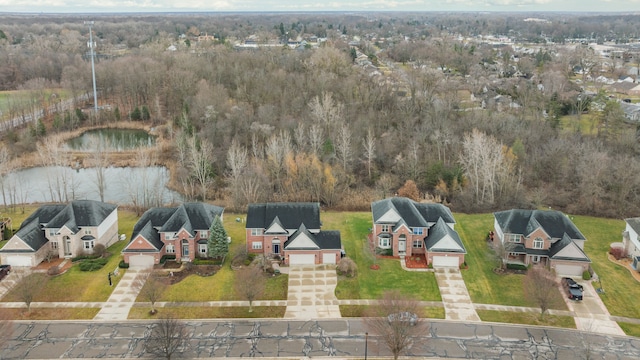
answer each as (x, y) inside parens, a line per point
(383, 243)
(88, 245)
(418, 231)
(535, 259)
(256, 232)
(169, 236)
(417, 243)
(54, 245)
(516, 238)
(385, 228)
(202, 249)
(52, 232)
(88, 232)
(538, 243)
(204, 234)
(256, 245)
(171, 249)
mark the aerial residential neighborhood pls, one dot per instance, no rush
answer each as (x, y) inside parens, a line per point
(343, 184)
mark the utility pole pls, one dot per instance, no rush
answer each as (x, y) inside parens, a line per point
(92, 46)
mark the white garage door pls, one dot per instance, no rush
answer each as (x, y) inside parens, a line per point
(329, 258)
(302, 259)
(141, 261)
(445, 261)
(568, 270)
(19, 260)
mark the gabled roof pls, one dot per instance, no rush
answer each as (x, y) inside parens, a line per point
(567, 249)
(634, 223)
(81, 213)
(276, 227)
(554, 223)
(147, 231)
(442, 238)
(291, 215)
(189, 216)
(302, 239)
(31, 234)
(413, 213)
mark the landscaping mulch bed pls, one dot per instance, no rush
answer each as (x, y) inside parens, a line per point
(416, 262)
(181, 273)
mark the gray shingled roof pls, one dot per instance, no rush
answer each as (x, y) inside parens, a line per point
(634, 223)
(413, 213)
(561, 244)
(325, 240)
(32, 234)
(439, 231)
(291, 215)
(81, 213)
(554, 223)
(190, 216)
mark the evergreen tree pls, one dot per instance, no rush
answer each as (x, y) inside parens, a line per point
(145, 113)
(41, 130)
(217, 243)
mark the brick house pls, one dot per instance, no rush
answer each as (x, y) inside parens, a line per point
(292, 232)
(182, 231)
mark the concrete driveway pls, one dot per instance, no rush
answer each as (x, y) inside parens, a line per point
(590, 313)
(312, 292)
(455, 297)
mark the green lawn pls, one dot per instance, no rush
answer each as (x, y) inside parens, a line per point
(527, 318)
(630, 329)
(621, 289)
(363, 311)
(586, 124)
(368, 283)
(209, 312)
(485, 286)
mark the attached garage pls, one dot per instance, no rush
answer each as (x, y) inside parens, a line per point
(568, 270)
(328, 258)
(18, 260)
(141, 261)
(302, 259)
(445, 261)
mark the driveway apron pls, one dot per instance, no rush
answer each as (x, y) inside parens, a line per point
(591, 314)
(122, 298)
(455, 297)
(311, 292)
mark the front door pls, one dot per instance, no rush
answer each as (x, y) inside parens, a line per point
(402, 246)
(185, 249)
(276, 248)
(67, 246)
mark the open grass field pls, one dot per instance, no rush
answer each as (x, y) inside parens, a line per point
(17, 100)
(368, 283)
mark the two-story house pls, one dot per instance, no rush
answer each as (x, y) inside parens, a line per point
(409, 228)
(181, 231)
(545, 237)
(62, 230)
(292, 232)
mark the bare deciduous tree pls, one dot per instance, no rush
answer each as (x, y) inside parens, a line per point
(396, 323)
(369, 145)
(540, 286)
(168, 338)
(250, 283)
(237, 162)
(150, 288)
(26, 285)
(344, 152)
(200, 162)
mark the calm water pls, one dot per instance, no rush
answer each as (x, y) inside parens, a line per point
(128, 185)
(111, 140)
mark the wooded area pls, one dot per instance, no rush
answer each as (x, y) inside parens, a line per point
(344, 109)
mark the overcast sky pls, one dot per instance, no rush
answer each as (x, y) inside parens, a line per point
(83, 6)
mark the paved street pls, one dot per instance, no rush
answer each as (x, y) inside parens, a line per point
(342, 338)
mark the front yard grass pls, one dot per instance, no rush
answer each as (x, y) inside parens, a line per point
(630, 329)
(527, 318)
(371, 284)
(362, 310)
(201, 312)
(621, 289)
(51, 313)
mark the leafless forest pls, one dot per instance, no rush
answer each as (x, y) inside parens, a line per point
(480, 111)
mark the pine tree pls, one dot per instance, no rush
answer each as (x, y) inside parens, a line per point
(217, 243)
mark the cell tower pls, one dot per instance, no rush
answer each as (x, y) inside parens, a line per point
(92, 46)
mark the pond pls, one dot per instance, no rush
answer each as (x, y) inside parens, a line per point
(144, 186)
(111, 140)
